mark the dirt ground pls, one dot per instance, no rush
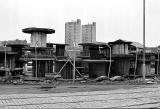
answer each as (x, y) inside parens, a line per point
(62, 87)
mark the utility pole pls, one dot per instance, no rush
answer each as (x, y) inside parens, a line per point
(74, 64)
(36, 59)
(5, 59)
(144, 65)
(158, 61)
(74, 70)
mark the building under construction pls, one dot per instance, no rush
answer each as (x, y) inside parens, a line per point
(123, 58)
(128, 59)
(95, 59)
(10, 54)
(38, 53)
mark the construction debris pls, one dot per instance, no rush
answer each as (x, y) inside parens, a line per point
(101, 78)
(117, 78)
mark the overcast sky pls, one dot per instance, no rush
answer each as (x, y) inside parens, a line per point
(116, 19)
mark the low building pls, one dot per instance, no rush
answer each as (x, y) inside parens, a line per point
(95, 59)
(151, 61)
(42, 59)
(63, 63)
(10, 54)
(122, 58)
(41, 55)
(128, 58)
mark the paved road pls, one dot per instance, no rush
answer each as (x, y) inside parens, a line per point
(122, 98)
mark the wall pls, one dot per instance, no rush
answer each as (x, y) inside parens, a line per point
(121, 67)
(120, 49)
(97, 69)
(38, 39)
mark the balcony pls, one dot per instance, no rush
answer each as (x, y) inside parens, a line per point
(84, 54)
(92, 55)
(38, 56)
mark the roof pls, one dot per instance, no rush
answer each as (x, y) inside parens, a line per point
(136, 44)
(17, 42)
(120, 41)
(94, 43)
(34, 29)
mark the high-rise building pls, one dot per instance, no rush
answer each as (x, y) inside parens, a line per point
(89, 33)
(73, 34)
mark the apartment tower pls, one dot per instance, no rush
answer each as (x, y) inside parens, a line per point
(73, 34)
(89, 33)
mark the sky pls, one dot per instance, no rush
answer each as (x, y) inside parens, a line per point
(115, 19)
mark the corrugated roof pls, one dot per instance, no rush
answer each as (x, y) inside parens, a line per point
(136, 44)
(119, 41)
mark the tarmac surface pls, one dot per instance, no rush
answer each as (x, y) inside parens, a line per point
(137, 97)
